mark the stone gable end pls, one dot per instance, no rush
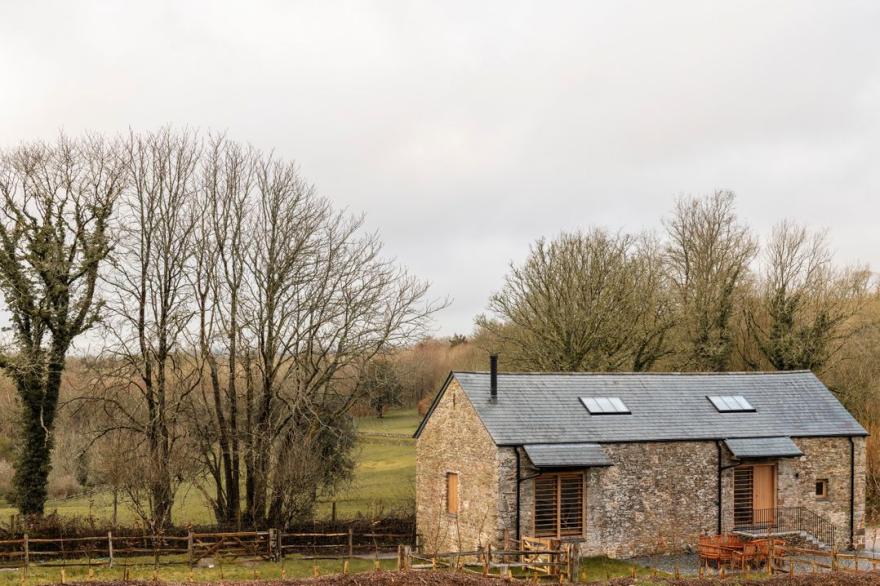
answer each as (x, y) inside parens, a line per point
(455, 440)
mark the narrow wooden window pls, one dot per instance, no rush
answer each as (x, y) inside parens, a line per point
(559, 505)
(452, 493)
(743, 512)
(822, 488)
(754, 496)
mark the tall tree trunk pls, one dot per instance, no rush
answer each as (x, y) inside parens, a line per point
(39, 400)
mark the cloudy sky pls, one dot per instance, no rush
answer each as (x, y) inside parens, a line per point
(467, 130)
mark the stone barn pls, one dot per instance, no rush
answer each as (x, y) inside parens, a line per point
(631, 464)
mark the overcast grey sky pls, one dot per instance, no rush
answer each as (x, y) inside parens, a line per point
(467, 130)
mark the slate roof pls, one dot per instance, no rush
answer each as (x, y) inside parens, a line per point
(763, 447)
(567, 455)
(545, 408)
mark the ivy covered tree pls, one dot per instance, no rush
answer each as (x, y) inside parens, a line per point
(799, 315)
(707, 260)
(57, 201)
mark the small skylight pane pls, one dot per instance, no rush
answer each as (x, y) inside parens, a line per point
(731, 404)
(743, 403)
(604, 405)
(591, 404)
(619, 407)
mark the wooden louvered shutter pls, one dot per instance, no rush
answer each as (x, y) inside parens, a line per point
(559, 505)
(571, 504)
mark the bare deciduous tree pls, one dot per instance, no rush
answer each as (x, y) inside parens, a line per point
(798, 315)
(54, 236)
(586, 301)
(220, 251)
(321, 303)
(707, 258)
(149, 374)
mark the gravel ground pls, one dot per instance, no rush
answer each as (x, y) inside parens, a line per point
(688, 564)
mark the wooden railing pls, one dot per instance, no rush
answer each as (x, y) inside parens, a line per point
(531, 557)
(786, 520)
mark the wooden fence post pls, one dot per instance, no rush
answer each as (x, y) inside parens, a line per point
(407, 557)
(189, 547)
(27, 554)
(574, 563)
(110, 547)
(350, 542)
(279, 545)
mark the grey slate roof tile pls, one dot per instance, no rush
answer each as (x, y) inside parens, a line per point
(567, 455)
(763, 447)
(539, 408)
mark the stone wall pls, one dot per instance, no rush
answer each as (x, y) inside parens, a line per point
(656, 497)
(824, 458)
(455, 440)
(661, 496)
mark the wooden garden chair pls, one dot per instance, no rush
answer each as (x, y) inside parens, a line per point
(747, 555)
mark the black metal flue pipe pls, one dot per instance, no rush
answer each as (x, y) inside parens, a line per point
(493, 375)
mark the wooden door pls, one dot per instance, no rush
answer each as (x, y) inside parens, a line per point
(764, 493)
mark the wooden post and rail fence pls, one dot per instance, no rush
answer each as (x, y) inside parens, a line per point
(192, 547)
(529, 558)
(536, 558)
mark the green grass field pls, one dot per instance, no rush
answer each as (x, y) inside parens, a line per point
(384, 481)
(596, 569)
(294, 567)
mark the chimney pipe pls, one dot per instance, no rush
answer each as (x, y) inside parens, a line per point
(493, 375)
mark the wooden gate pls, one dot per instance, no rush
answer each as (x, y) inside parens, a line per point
(255, 545)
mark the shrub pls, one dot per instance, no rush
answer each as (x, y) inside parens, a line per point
(424, 405)
(6, 472)
(62, 486)
(6, 448)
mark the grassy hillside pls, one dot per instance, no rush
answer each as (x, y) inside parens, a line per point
(384, 480)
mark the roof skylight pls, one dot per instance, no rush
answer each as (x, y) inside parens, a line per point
(731, 403)
(605, 405)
